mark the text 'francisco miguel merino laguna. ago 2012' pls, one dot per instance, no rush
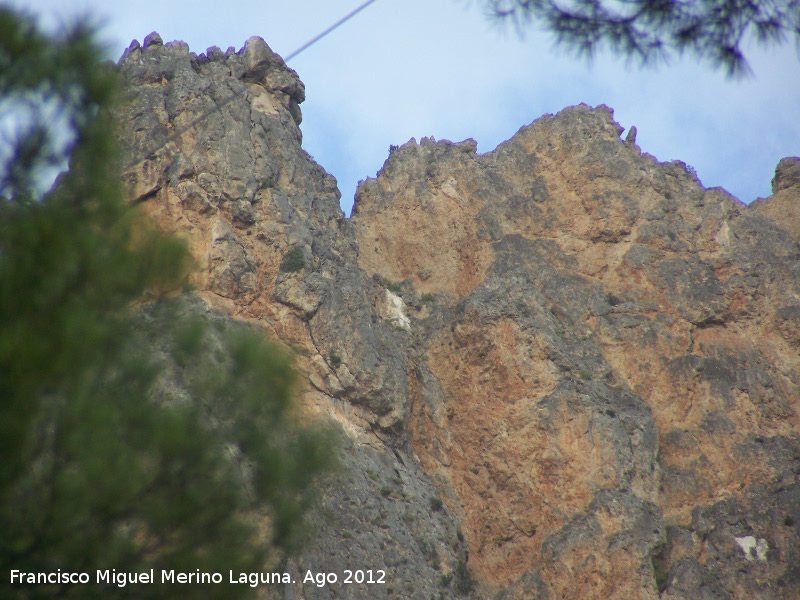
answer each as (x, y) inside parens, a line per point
(121, 579)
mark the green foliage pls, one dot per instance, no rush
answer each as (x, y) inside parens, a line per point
(660, 572)
(334, 359)
(388, 284)
(436, 503)
(428, 297)
(430, 553)
(713, 30)
(612, 300)
(245, 387)
(268, 183)
(53, 80)
(293, 261)
(129, 438)
(611, 412)
(463, 582)
(585, 374)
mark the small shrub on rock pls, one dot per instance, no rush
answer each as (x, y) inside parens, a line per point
(293, 261)
(463, 583)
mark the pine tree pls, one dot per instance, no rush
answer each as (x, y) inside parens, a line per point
(137, 430)
(648, 30)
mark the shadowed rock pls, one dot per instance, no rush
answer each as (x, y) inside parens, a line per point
(591, 358)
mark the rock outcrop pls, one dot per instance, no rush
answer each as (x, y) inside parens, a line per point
(564, 368)
(784, 204)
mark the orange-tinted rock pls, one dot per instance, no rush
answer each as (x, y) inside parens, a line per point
(621, 328)
(595, 359)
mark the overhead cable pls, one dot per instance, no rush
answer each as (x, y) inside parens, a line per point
(230, 99)
(328, 30)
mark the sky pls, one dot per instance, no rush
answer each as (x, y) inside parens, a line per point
(443, 68)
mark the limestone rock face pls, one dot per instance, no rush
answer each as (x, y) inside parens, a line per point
(213, 152)
(784, 204)
(615, 349)
(590, 358)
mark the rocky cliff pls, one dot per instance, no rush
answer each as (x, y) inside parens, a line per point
(565, 370)
(784, 204)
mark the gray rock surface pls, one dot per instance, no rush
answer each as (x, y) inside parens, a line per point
(787, 174)
(212, 149)
(562, 367)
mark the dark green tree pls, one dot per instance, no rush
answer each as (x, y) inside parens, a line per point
(137, 430)
(648, 30)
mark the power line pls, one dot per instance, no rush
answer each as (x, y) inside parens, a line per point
(328, 30)
(227, 101)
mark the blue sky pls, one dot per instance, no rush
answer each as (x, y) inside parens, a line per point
(415, 68)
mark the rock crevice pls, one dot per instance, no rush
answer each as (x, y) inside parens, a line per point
(563, 368)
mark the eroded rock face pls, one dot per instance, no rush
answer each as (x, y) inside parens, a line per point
(213, 152)
(594, 360)
(784, 204)
(614, 341)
